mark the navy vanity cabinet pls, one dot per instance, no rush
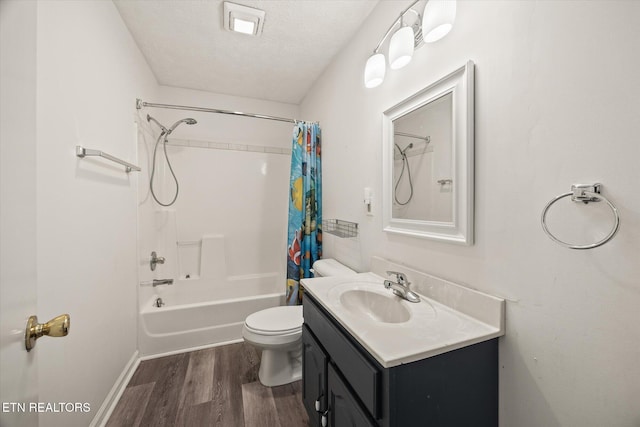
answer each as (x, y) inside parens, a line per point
(323, 388)
(344, 409)
(457, 388)
(314, 375)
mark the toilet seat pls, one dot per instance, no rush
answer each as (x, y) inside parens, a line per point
(284, 320)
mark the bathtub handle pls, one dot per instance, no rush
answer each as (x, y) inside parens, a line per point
(155, 259)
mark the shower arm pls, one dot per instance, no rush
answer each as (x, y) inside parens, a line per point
(149, 119)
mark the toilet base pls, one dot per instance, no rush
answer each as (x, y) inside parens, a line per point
(278, 367)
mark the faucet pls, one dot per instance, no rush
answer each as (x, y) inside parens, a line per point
(155, 259)
(401, 287)
(158, 303)
(157, 282)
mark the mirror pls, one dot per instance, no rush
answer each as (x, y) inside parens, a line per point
(428, 161)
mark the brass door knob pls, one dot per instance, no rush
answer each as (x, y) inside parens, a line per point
(56, 327)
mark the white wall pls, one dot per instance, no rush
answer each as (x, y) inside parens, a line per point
(557, 101)
(89, 72)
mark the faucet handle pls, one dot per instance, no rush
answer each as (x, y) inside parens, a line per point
(400, 277)
(155, 259)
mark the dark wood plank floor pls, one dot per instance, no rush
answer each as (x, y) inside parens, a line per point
(213, 387)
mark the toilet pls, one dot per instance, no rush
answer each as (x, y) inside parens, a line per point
(278, 332)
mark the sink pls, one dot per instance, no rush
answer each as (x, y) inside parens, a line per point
(396, 331)
(378, 307)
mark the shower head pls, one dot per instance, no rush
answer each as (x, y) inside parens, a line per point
(402, 152)
(407, 147)
(166, 131)
(188, 121)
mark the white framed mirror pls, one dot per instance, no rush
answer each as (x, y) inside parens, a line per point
(428, 161)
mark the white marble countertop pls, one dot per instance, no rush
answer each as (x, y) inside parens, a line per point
(433, 327)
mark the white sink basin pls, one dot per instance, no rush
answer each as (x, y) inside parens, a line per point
(381, 308)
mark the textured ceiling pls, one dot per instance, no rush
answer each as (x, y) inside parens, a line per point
(186, 45)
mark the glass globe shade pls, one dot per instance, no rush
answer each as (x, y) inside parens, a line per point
(438, 19)
(401, 48)
(374, 70)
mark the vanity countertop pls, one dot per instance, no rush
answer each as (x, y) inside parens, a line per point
(433, 328)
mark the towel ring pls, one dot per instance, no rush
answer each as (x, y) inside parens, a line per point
(582, 193)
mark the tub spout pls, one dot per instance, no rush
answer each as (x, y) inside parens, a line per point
(157, 282)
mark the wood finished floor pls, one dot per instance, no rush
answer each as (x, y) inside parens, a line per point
(213, 387)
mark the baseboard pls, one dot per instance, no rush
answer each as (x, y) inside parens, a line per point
(187, 350)
(110, 402)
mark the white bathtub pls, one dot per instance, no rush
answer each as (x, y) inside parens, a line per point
(199, 313)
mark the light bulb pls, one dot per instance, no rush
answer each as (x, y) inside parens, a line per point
(374, 70)
(401, 48)
(438, 19)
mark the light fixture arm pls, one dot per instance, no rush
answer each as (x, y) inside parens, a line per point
(434, 23)
(393, 25)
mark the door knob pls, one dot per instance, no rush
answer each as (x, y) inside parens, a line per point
(56, 327)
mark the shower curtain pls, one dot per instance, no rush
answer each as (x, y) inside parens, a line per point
(304, 234)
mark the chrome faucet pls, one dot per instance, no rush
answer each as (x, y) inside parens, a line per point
(157, 282)
(401, 287)
(155, 259)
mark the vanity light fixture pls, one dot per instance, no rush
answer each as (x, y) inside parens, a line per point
(435, 22)
(401, 48)
(375, 70)
(437, 19)
(243, 19)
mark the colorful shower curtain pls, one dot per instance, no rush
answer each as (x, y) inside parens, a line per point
(304, 236)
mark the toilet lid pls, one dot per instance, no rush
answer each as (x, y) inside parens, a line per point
(276, 319)
(330, 267)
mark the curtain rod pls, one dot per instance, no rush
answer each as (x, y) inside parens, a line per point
(410, 135)
(140, 104)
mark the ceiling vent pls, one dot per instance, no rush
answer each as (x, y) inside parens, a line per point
(243, 19)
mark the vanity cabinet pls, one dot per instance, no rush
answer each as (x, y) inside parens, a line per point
(314, 374)
(324, 388)
(345, 386)
(344, 407)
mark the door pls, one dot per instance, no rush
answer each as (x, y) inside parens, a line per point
(18, 373)
(344, 408)
(314, 377)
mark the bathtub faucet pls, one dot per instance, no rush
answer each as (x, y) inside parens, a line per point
(155, 259)
(157, 282)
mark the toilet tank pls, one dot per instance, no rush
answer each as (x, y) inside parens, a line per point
(331, 267)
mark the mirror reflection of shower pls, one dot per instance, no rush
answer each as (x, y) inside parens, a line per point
(164, 133)
(405, 166)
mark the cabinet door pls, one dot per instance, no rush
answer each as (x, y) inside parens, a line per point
(344, 408)
(314, 377)
(358, 370)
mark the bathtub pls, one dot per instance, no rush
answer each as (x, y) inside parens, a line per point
(199, 313)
